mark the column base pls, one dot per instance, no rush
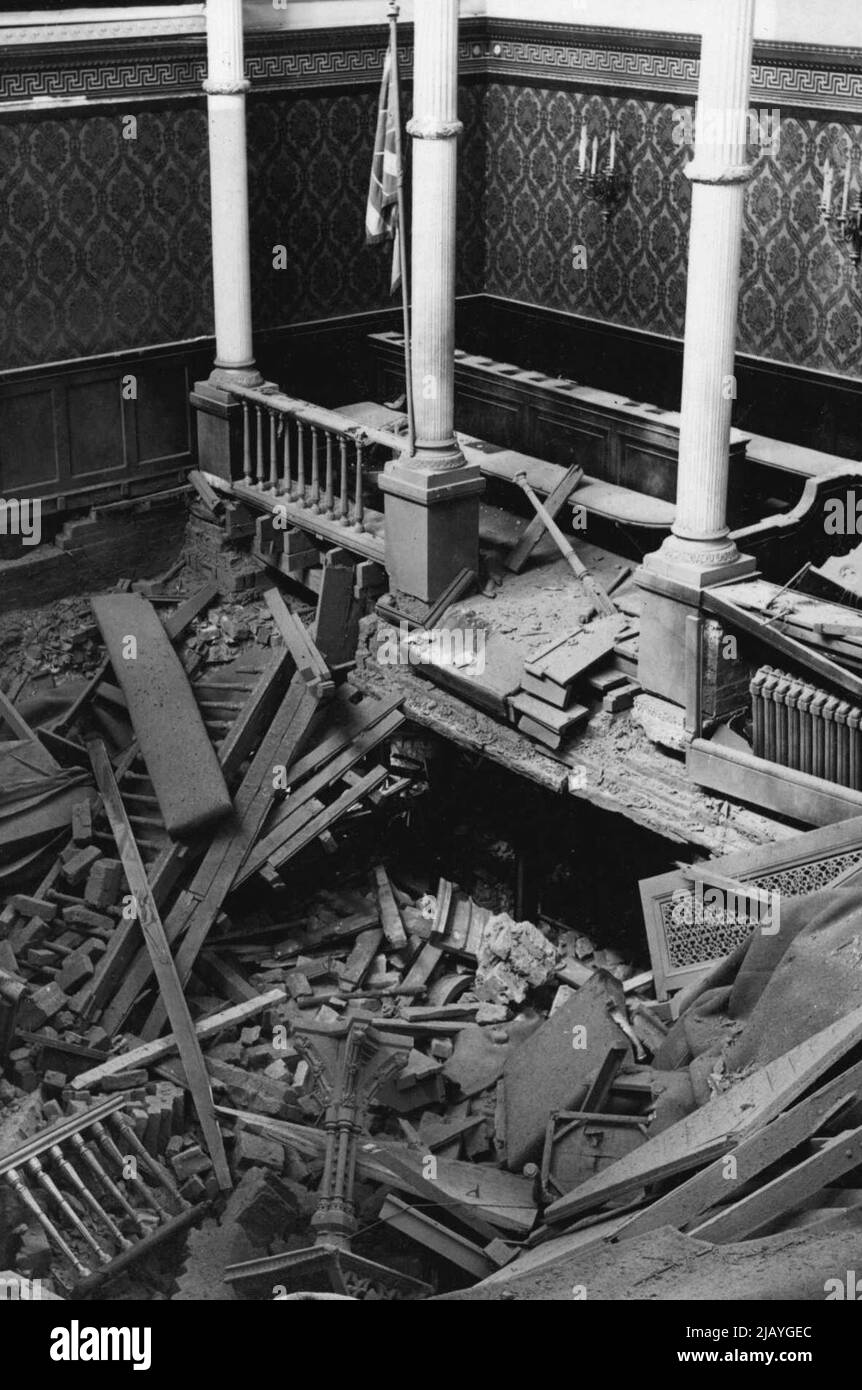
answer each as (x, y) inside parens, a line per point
(672, 580)
(697, 564)
(432, 525)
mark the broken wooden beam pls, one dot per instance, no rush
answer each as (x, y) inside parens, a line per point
(156, 942)
(174, 743)
(148, 1053)
(197, 909)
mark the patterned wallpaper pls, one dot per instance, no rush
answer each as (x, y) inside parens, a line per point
(105, 241)
(310, 163)
(801, 298)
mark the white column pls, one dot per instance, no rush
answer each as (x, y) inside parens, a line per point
(226, 87)
(432, 499)
(435, 129)
(698, 550)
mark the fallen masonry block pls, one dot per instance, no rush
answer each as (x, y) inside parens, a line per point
(77, 968)
(41, 1006)
(104, 882)
(180, 759)
(190, 1163)
(33, 907)
(254, 1150)
(82, 822)
(77, 867)
(86, 919)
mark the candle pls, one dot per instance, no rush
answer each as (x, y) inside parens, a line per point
(595, 154)
(613, 157)
(846, 198)
(582, 153)
(828, 177)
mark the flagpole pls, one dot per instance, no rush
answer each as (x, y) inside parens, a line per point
(393, 12)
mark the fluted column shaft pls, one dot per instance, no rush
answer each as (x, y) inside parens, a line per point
(435, 128)
(718, 175)
(226, 87)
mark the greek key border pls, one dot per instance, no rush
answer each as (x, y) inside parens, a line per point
(32, 78)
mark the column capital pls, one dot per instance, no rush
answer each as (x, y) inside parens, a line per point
(431, 128)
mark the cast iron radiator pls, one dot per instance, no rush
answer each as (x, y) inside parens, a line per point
(799, 726)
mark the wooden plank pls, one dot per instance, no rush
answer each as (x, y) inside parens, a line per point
(753, 1101)
(293, 813)
(445, 887)
(336, 624)
(124, 943)
(147, 1053)
(325, 819)
(419, 972)
(461, 585)
(744, 777)
(220, 973)
(153, 932)
(258, 711)
(554, 503)
(309, 662)
(195, 912)
(359, 962)
(417, 1225)
(761, 1208)
(752, 1156)
(349, 722)
(191, 608)
(21, 729)
(578, 654)
(713, 601)
(176, 748)
(390, 917)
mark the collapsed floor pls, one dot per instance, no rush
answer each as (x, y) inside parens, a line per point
(417, 990)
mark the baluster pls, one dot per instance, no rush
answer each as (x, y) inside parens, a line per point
(315, 469)
(109, 1148)
(91, 1160)
(86, 1197)
(359, 504)
(287, 481)
(329, 496)
(273, 451)
(300, 482)
(246, 443)
(344, 503)
(48, 1185)
(259, 441)
(27, 1199)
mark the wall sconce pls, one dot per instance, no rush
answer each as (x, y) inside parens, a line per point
(607, 185)
(849, 219)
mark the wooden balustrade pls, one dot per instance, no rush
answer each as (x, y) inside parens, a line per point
(324, 487)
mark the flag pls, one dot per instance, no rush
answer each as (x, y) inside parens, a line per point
(381, 215)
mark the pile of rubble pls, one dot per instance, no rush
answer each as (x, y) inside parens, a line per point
(246, 1054)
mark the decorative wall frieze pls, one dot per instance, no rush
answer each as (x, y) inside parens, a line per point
(110, 62)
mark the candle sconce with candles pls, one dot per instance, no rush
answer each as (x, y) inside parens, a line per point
(606, 184)
(848, 219)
